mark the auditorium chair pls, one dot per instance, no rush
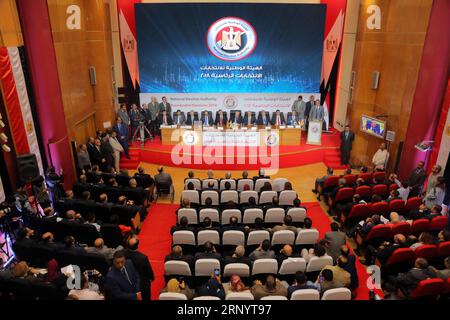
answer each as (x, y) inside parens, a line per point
(281, 238)
(250, 215)
(228, 213)
(375, 237)
(240, 269)
(245, 195)
(213, 214)
(112, 235)
(420, 225)
(328, 186)
(192, 195)
(260, 183)
(337, 294)
(379, 176)
(207, 235)
(255, 238)
(365, 192)
(85, 234)
(239, 296)
(393, 187)
(443, 251)
(403, 228)
(274, 298)
(231, 239)
(357, 213)
(176, 269)
(397, 205)
(242, 182)
(278, 184)
(196, 182)
(367, 177)
(342, 196)
(305, 294)
(207, 298)
(263, 267)
(229, 195)
(350, 180)
(205, 183)
(381, 190)
(267, 197)
(189, 213)
(164, 190)
(380, 208)
(428, 289)
(204, 268)
(306, 238)
(438, 223)
(214, 195)
(172, 296)
(413, 204)
(287, 198)
(231, 181)
(186, 240)
(289, 267)
(316, 264)
(274, 216)
(298, 216)
(401, 260)
(427, 251)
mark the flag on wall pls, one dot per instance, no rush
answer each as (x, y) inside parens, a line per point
(18, 105)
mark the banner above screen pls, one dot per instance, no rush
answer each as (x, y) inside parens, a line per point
(230, 47)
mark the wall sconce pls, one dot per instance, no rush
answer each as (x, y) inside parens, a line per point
(3, 136)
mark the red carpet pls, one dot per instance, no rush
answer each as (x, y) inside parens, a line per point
(239, 159)
(155, 240)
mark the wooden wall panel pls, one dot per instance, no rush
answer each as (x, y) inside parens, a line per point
(76, 51)
(395, 51)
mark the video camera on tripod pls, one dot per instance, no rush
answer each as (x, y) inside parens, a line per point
(142, 129)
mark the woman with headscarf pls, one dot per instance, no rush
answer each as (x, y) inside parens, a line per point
(54, 275)
(212, 288)
(175, 286)
(235, 285)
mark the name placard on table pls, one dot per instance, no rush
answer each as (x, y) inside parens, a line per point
(231, 138)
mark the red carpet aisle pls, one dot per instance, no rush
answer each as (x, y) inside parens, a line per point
(155, 240)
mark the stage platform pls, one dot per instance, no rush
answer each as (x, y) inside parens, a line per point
(226, 158)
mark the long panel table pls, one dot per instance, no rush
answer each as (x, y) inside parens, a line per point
(212, 136)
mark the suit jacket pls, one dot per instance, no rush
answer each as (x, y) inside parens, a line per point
(335, 239)
(260, 120)
(169, 119)
(189, 120)
(409, 280)
(290, 119)
(210, 120)
(153, 107)
(163, 178)
(417, 178)
(224, 119)
(135, 116)
(308, 106)
(147, 115)
(257, 254)
(346, 143)
(167, 107)
(182, 119)
(316, 114)
(96, 156)
(299, 107)
(125, 117)
(118, 286)
(122, 132)
(115, 144)
(238, 120)
(142, 266)
(274, 118)
(252, 120)
(244, 259)
(208, 255)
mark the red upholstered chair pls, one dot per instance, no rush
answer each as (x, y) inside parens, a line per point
(403, 228)
(393, 186)
(443, 249)
(367, 177)
(377, 234)
(429, 288)
(343, 195)
(401, 260)
(413, 204)
(381, 190)
(359, 212)
(438, 223)
(397, 206)
(328, 186)
(380, 208)
(364, 191)
(419, 226)
(427, 251)
(379, 176)
(350, 179)
(447, 287)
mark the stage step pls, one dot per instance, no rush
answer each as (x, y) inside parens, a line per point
(332, 158)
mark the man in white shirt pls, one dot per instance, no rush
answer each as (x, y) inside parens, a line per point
(85, 293)
(380, 158)
(117, 147)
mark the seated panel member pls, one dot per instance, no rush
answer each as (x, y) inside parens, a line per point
(249, 119)
(278, 118)
(221, 118)
(192, 116)
(165, 119)
(179, 118)
(293, 119)
(263, 119)
(207, 119)
(236, 118)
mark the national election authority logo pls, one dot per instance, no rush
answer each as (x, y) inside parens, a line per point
(231, 39)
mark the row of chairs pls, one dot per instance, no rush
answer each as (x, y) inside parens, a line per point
(362, 211)
(277, 184)
(350, 179)
(305, 294)
(139, 195)
(272, 216)
(24, 289)
(286, 198)
(431, 288)
(346, 194)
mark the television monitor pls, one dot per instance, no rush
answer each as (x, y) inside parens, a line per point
(373, 126)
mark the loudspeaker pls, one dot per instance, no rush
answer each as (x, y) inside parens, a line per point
(375, 79)
(92, 76)
(27, 167)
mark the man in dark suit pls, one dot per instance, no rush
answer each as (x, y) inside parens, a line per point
(164, 118)
(144, 180)
(347, 138)
(192, 116)
(278, 118)
(207, 119)
(209, 253)
(107, 152)
(179, 118)
(164, 105)
(293, 118)
(263, 119)
(177, 255)
(334, 240)
(122, 281)
(182, 226)
(122, 135)
(249, 119)
(408, 281)
(261, 175)
(143, 267)
(236, 118)
(238, 257)
(97, 157)
(417, 179)
(90, 147)
(309, 106)
(221, 119)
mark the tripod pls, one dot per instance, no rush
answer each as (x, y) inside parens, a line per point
(142, 129)
(8, 234)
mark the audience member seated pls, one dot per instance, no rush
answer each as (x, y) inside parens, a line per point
(209, 253)
(325, 281)
(257, 226)
(408, 281)
(385, 250)
(263, 252)
(275, 201)
(425, 238)
(261, 175)
(145, 180)
(213, 287)
(443, 273)
(350, 266)
(300, 283)
(287, 225)
(317, 251)
(163, 179)
(339, 273)
(49, 240)
(182, 226)
(122, 281)
(285, 253)
(207, 224)
(85, 293)
(175, 286)
(250, 205)
(100, 249)
(92, 220)
(235, 285)
(272, 287)
(233, 226)
(238, 257)
(70, 245)
(177, 255)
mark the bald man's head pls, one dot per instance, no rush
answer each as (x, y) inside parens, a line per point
(133, 243)
(98, 243)
(177, 251)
